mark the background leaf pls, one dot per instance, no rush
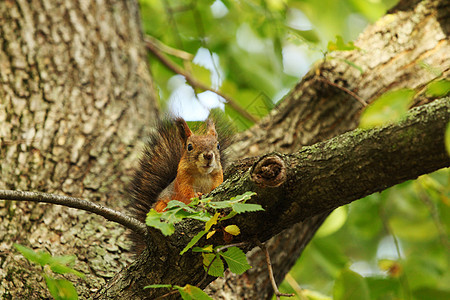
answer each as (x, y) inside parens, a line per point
(388, 108)
(350, 285)
(438, 88)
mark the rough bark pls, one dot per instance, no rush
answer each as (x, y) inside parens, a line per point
(406, 48)
(293, 188)
(75, 95)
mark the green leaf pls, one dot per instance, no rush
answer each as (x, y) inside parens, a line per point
(229, 216)
(176, 203)
(438, 88)
(217, 268)
(189, 292)
(246, 207)
(154, 220)
(233, 200)
(232, 229)
(350, 285)
(210, 234)
(63, 260)
(57, 264)
(194, 240)
(447, 138)
(221, 204)
(236, 260)
(41, 257)
(61, 289)
(244, 197)
(388, 108)
(207, 249)
(339, 45)
(62, 269)
(201, 216)
(158, 286)
(212, 221)
(206, 200)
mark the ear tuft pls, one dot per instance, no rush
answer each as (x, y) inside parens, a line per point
(184, 128)
(210, 128)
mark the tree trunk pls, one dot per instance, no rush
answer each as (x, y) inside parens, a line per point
(75, 96)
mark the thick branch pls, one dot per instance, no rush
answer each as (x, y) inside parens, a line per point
(318, 179)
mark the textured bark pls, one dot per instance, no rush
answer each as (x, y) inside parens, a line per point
(293, 188)
(75, 95)
(396, 53)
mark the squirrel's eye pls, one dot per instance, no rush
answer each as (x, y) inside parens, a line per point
(218, 146)
(190, 147)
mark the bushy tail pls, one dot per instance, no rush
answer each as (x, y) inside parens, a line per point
(157, 169)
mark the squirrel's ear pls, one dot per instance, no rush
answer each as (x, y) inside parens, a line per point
(184, 128)
(211, 128)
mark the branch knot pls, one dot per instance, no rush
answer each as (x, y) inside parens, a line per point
(270, 171)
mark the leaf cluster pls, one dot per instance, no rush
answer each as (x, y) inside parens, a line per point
(213, 257)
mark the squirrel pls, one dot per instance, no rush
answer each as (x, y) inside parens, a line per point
(176, 165)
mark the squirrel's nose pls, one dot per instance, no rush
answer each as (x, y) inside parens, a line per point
(208, 156)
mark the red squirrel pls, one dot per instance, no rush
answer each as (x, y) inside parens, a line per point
(176, 165)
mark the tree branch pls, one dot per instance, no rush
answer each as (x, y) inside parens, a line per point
(107, 213)
(317, 179)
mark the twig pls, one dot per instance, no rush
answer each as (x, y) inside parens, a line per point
(167, 49)
(231, 245)
(107, 213)
(173, 292)
(359, 99)
(197, 84)
(269, 267)
(293, 283)
(403, 279)
(206, 272)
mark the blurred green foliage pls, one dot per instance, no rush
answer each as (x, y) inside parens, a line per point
(390, 245)
(397, 240)
(262, 48)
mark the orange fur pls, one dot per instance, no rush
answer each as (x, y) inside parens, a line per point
(199, 170)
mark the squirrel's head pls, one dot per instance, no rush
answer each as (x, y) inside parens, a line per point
(201, 153)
